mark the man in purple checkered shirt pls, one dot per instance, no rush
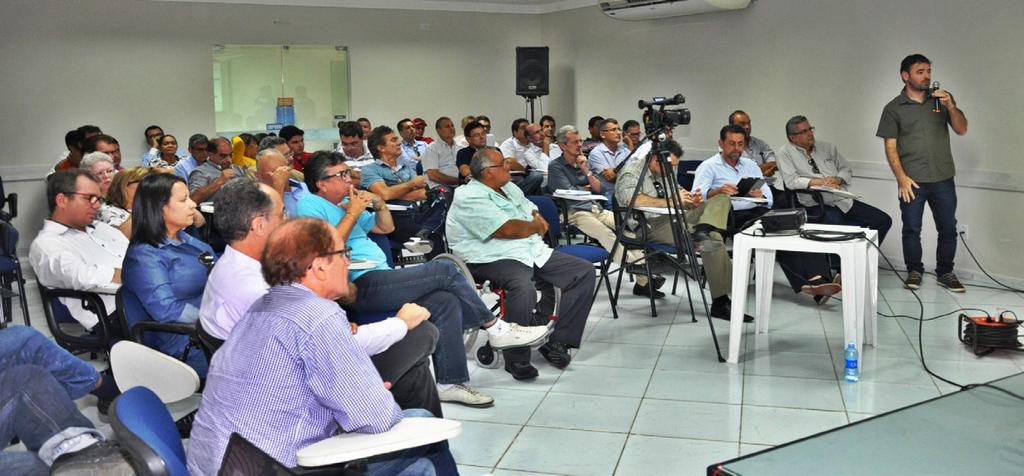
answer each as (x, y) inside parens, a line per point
(291, 374)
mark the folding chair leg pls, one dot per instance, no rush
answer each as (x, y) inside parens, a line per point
(22, 296)
(647, 271)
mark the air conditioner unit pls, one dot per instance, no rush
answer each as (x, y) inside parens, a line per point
(654, 9)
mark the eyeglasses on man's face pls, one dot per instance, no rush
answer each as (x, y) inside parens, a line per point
(344, 174)
(93, 199)
(345, 252)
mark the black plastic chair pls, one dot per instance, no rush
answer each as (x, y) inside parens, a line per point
(96, 341)
(207, 341)
(11, 275)
(684, 173)
(135, 322)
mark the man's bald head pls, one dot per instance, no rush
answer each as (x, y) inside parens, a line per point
(267, 161)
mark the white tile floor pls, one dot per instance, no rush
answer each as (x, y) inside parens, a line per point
(647, 396)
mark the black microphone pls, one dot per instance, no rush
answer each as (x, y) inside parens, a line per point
(935, 87)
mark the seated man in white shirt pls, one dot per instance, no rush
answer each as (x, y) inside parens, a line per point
(74, 252)
(247, 213)
(439, 160)
(535, 156)
(721, 174)
(514, 149)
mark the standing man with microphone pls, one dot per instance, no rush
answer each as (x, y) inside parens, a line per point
(916, 134)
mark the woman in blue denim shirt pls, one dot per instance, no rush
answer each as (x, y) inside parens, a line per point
(163, 267)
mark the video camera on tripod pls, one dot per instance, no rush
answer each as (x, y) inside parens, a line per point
(662, 118)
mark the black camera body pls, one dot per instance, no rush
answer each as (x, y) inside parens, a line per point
(656, 116)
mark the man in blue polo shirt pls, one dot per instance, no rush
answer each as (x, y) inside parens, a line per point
(397, 183)
(453, 302)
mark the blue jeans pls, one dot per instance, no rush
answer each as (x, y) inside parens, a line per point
(21, 345)
(453, 303)
(420, 461)
(941, 199)
(35, 408)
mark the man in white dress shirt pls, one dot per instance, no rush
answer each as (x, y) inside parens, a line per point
(439, 159)
(247, 213)
(73, 251)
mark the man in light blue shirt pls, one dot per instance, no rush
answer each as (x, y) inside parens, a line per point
(412, 149)
(499, 233)
(605, 158)
(722, 173)
(198, 151)
(806, 272)
(272, 169)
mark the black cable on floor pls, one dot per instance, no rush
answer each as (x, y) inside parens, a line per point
(920, 337)
(982, 268)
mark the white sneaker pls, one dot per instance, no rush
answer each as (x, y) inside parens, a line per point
(518, 336)
(419, 245)
(465, 395)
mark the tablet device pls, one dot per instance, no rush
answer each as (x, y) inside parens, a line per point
(747, 184)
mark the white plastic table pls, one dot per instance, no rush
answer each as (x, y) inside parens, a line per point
(859, 270)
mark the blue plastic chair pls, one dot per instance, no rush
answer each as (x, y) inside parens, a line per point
(595, 254)
(146, 430)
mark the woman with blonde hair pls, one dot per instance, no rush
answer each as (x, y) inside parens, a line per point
(117, 212)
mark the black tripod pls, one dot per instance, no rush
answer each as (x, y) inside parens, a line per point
(685, 259)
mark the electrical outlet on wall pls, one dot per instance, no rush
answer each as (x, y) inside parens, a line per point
(961, 229)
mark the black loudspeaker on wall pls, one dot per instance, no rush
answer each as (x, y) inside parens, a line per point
(532, 70)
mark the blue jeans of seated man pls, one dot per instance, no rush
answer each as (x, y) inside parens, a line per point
(453, 303)
(21, 345)
(425, 460)
(941, 199)
(409, 222)
(35, 408)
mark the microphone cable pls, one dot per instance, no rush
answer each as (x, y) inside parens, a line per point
(920, 338)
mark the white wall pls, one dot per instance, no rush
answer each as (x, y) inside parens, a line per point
(123, 64)
(836, 62)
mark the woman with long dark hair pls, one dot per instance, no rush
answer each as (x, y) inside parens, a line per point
(165, 268)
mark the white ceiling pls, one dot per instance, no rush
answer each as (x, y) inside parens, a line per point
(481, 6)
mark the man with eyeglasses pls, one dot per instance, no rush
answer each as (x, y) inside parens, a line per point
(453, 302)
(808, 163)
(499, 233)
(569, 172)
(720, 175)
(607, 158)
(207, 179)
(198, 152)
(292, 373)
(631, 134)
(762, 154)
(247, 213)
(73, 251)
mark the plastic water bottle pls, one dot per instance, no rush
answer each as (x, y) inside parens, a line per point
(852, 373)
